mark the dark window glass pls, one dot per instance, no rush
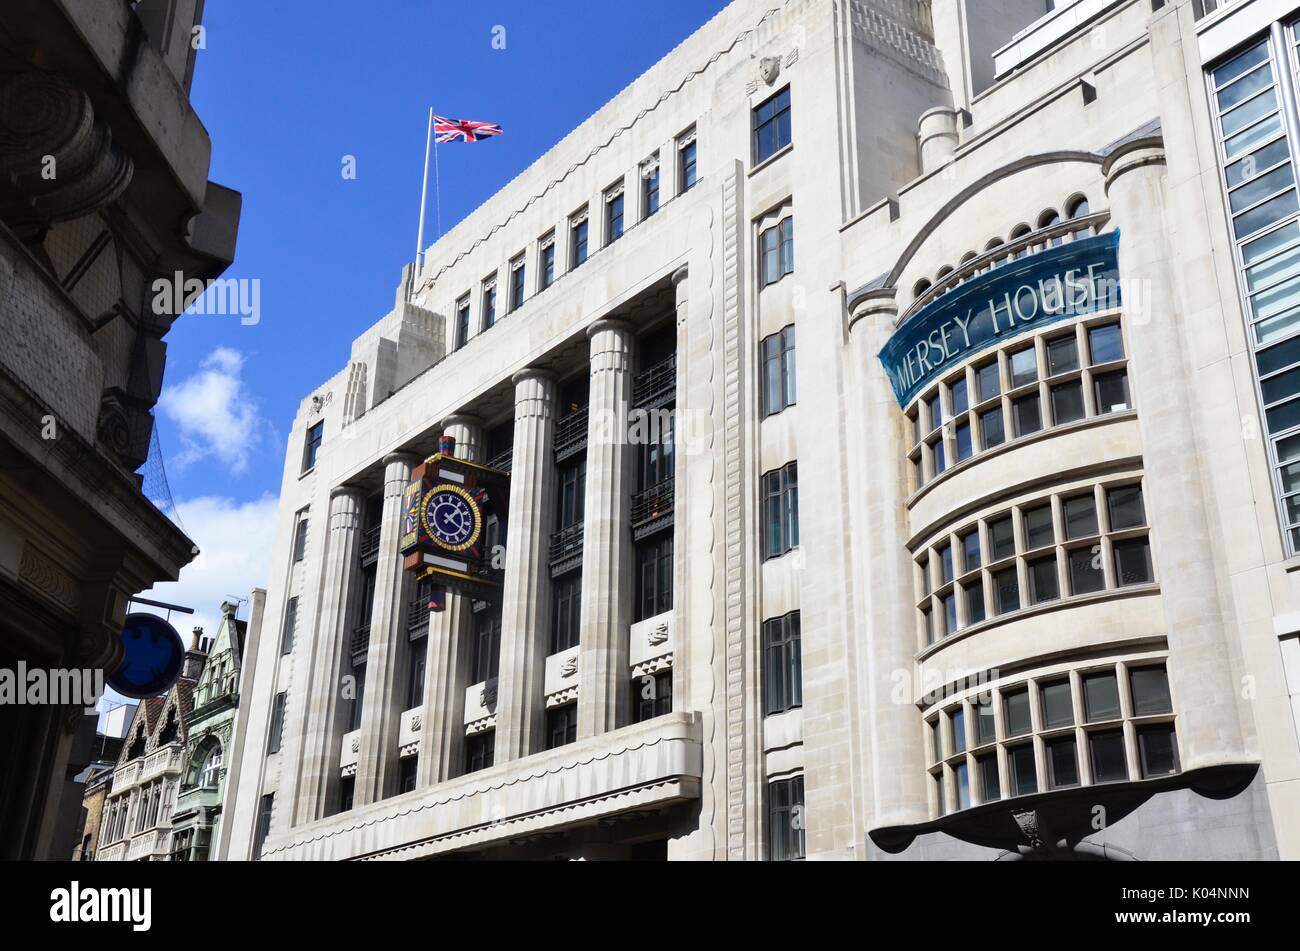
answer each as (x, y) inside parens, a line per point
(985, 722)
(987, 381)
(480, 750)
(415, 678)
(782, 664)
(517, 274)
(785, 820)
(650, 192)
(1015, 713)
(776, 250)
(987, 766)
(1111, 392)
(946, 564)
(1027, 414)
(487, 644)
(1002, 539)
(462, 324)
(1157, 749)
(689, 171)
(300, 540)
(1039, 531)
(974, 602)
(347, 790)
(1080, 517)
(1062, 355)
(265, 807)
(1006, 590)
(1043, 583)
(276, 734)
(1150, 688)
(573, 494)
(992, 428)
(547, 277)
(1067, 403)
(778, 371)
(315, 436)
(1057, 706)
(1105, 344)
(1101, 696)
(1086, 574)
(772, 126)
(1133, 562)
(970, 546)
(652, 696)
(489, 306)
(958, 723)
(781, 511)
(406, 779)
(566, 625)
(965, 446)
(561, 726)
(961, 777)
(1062, 763)
(654, 594)
(579, 243)
(1024, 777)
(959, 396)
(614, 218)
(1125, 506)
(1106, 752)
(950, 612)
(290, 622)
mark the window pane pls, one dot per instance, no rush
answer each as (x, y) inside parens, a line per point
(1038, 527)
(946, 563)
(1024, 780)
(1080, 517)
(1106, 750)
(939, 457)
(974, 602)
(1043, 584)
(959, 397)
(992, 430)
(987, 382)
(985, 727)
(964, 441)
(950, 612)
(1252, 137)
(962, 778)
(1086, 574)
(1027, 415)
(1062, 763)
(988, 774)
(1057, 707)
(1067, 403)
(1251, 165)
(1150, 686)
(1111, 390)
(1259, 188)
(1250, 111)
(958, 722)
(1015, 711)
(1157, 750)
(1002, 539)
(1242, 64)
(1024, 367)
(1062, 355)
(1105, 344)
(1261, 216)
(1125, 506)
(1101, 696)
(1269, 244)
(1133, 561)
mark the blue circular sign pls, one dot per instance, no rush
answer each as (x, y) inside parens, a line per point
(154, 654)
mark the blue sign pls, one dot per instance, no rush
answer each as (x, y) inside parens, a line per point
(1076, 278)
(154, 654)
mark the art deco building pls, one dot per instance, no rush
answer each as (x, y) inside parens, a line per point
(103, 190)
(976, 533)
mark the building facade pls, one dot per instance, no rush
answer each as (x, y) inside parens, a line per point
(97, 779)
(896, 401)
(104, 190)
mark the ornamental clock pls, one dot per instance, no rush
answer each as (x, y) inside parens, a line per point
(452, 517)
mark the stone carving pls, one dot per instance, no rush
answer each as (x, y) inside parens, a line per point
(44, 574)
(417, 723)
(769, 68)
(318, 403)
(356, 744)
(487, 694)
(569, 667)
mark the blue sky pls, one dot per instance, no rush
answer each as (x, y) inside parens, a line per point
(287, 90)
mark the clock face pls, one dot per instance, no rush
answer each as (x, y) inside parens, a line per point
(452, 517)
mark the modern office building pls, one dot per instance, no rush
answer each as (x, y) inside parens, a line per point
(104, 191)
(972, 531)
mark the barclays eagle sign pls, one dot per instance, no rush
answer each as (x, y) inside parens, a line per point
(1081, 277)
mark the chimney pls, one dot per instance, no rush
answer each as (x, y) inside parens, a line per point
(195, 657)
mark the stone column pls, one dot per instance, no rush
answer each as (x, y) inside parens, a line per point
(603, 675)
(1200, 672)
(325, 716)
(447, 661)
(683, 436)
(887, 629)
(377, 765)
(526, 600)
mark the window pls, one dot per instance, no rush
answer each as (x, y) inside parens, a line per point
(290, 622)
(650, 188)
(613, 215)
(517, 275)
(1002, 538)
(561, 726)
(772, 126)
(347, 790)
(462, 323)
(480, 751)
(1150, 689)
(565, 628)
(358, 701)
(578, 241)
(265, 806)
(300, 540)
(1106, 749)
(573, 492)
(782, 665)
(489, 304)
(1015, 712)
(785, 820)
(406, 778)
(315, 435)
(1157, 750)
(781, 511)
(776, 251)
(277, 724)
(654, 577)
(1038, 527)
(985, 722)
(687, 162)
(1101, 697)
(779, 390)
(1062, 762)
(652, 696)
(1042, 581)
(210, 772)
(415, 673)
(487, 645)
(546, 262)
(1058, 709)
(1024, 774)
(987, 767)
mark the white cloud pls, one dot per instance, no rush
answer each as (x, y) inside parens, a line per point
(234, 540)
(216, 415)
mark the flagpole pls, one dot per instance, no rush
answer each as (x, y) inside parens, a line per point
(437, 186)
(424, 196)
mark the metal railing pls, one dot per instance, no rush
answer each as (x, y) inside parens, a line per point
(571, 434)
(653, 507)
(360, 639)
(566, 544)
(655, 386)
(370, 544)
(502, 461)
(417, 616)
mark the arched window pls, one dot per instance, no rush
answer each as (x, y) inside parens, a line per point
(210, 774)
(1049, 218)
(137, 746)
(921, 287)
(1078, 207)
(168, 734)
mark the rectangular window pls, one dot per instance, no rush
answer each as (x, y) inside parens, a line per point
(1080, 517)
(1111, 392)
(408, 771)
(958, 723)
(1062, 355)
(687, 163)
(315, 436)
(415, 674)
(578, 230)
(1106, 754)
(1027, 414)
(290, 622)
(480, 750)
(487, 645)
(517, 275)
(573, 493)
(652, 696)
(546, 264)
(988, 382)
(1015, 712)
(970, 547)
(561, 726)
(1006, 590)
(779, 388)
(1133, 562)
(1024, 367)
(347, 792)
(1101, 696)
(1124, 505)
(1002, 539)
(300, 541)
(782, 664)
(993, 430)
(654, 577)
(462, 323)
(776, 251)
(965, 444)
(276, 732)
(1024, 775)
(1150, 689)
(489, 305)
(1157, 750)
(961, 777)
(985, 722)
(613, 216)
(781, 510)
(1043, 585)
(785, 820)
(567, 614)
(1067, 403)
(1039, 531)
(772, 126)
(987, 767)
(1062, 763)
(1086, 574)
(264, 809)
(650, 189)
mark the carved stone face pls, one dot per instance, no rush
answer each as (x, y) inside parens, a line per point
(769, 67)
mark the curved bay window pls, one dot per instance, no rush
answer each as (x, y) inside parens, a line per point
(782, 664)
(210, 771)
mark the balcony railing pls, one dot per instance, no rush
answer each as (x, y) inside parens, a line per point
(571, 435)
(360, 639)
(652, 509)
(370, 545)
(417, 617)
(167, 760)
(566, 548)
(502, 461)
(656, 386)
(127, 776)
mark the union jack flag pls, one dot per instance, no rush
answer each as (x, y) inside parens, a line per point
(450, 130)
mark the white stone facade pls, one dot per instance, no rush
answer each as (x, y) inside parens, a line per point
(1141, 701)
